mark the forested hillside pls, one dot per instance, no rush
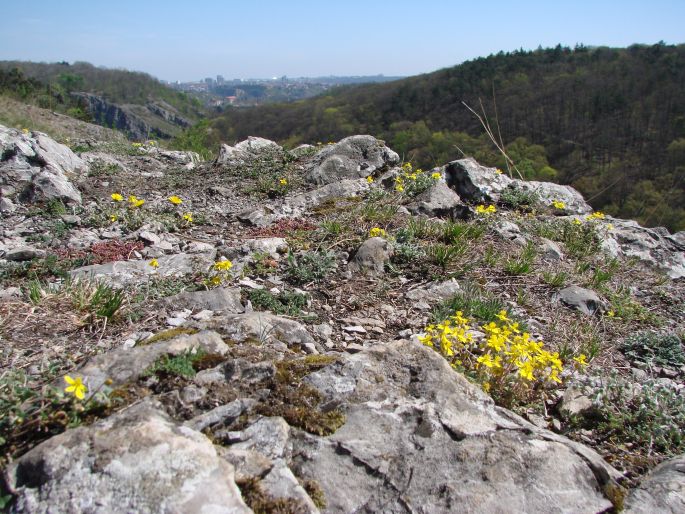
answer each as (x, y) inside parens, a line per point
(611, 122)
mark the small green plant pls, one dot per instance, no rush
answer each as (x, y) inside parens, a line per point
(331, 228)
(181, 365)
(445, 255)
(458, 232)
(654, 349)
(557, 279)
(517, 198)
(378, 213)
(102, 169)
(473, 301)
(412, 182)
(286, 302)
(523, 263)
(309, 266)
(55, 207)
(35, 291)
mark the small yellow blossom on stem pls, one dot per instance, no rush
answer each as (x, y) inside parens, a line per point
(611, 314)
(134, 201)
(136, 145)
(436, 175)
(188, 217)
(113, 218)
(75, 387)
(154, 263)
(558, 204)
(223, 265)
(598, 215)
(25, 130)
(175, 200)
(283, 181)
(576, 221)
(369, 179)
(498, 171)
(377, 232)
(482, 209)
(581, 360)
(610, 226)
(117, 197)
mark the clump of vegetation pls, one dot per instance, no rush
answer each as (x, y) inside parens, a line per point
(519, 198)
(181, 365)
(412, 182)
(260, 502)
(309, 266)
(285, 302)
(654, 349)
(507, 361)
(473, 301)
(522, 264)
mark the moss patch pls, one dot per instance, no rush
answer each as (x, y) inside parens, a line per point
(166, 335)
(261, 503)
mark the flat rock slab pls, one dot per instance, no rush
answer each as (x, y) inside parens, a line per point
(137, 460)
(662, 490)
(580, 299)
(220, 299)
(419, 437)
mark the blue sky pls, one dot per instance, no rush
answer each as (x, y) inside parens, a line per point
(179, 40)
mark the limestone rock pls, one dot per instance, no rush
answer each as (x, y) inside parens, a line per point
(246, 150)
(372, 256)
(352, 157)
(295, 205)
(219, 299)
(24, 253)
(439, 201)
(38, 168)
(137, 460)
(406, 413)
(475, 183)
(662, 490)
(547, 192)
(579, 298)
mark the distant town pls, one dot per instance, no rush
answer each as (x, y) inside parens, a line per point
(219, 92)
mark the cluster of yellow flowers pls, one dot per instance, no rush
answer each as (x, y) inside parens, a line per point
(133, 200)
(558, 204)
(153, 263)
(369, 179)
(175, 200)
(482, 209)
(221, 273)
(414, 181)
(377, 232)
(503, 354)
(595, 216)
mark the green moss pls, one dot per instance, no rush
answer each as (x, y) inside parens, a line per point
(315, 492)
(166, 335)
(261, 503)
(182, 365)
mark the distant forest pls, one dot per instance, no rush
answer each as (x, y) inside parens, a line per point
(610, 122)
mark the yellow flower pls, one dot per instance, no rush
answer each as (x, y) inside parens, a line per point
(610, 226)
(598, 215)
(436, 176)
(581, 360)
(486, 360)
(558, 204)
(175, 200)
(377, 232)
(576, 221)
(154, 263)
(502, 315)
(136, 145)
(25, 130)
(283, 182)
(399, 188)
(134, 201)
(113, 218)
(188, 217)
(215, 281)
(223, 265)
(75, 387)
(611, 314)
(498, 171)
(482, 209)
(117, 197)
(369, 179)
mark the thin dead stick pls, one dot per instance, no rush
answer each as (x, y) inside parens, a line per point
(488, 131)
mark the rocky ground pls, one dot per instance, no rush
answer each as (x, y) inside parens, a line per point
(267, 332)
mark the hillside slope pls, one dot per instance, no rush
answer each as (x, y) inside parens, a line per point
(611, 122)
(134, 103)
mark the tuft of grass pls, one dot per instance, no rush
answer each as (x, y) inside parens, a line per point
(557, 279)
(309, 266)
(182, 365)
(473, 301)
(523, 263)
(286, 302)
(445, 255)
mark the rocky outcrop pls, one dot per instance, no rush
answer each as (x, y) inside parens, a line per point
(247, 150)
(34, 167)
(663, 490)
(134, 120)
(138, 460)
(352, 157)
(580, 299)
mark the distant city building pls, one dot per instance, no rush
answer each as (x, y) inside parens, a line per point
(220, 79)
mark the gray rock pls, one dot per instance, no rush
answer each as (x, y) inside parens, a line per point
(7, 206)
(352, 157)
(189, 160)
(71, 219)
(406, 412)
(241, 370)
(126, 272)
(225, 414)
(247, 150)
(473, 182)
(439, 201)
(661, 491)
(580, 299)
(225, 299)
(149, 237)
(649, 245)
(125, 364)
(257, 217)
(268, 436)
(137, 460)
(296, 205)
(38, 168)
(274, 247)
(372, 256)
(260, 328)
(547, 192)
(550, 250)
(575, 403)
(509, 231)
(433, 293)
(24, 253)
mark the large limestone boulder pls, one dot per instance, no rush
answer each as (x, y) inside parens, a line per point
(419, 437)
(137, 460)
(247, 150)
(475, 183)
(352, 157)
(439, 201)
(662, 490)
(34, 167)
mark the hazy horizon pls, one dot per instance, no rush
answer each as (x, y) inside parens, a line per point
(173, 41)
